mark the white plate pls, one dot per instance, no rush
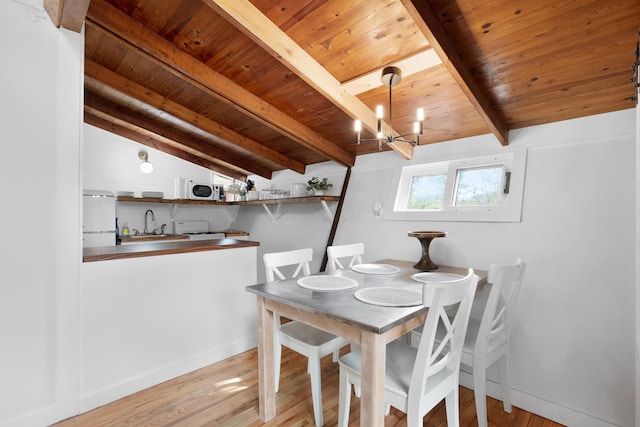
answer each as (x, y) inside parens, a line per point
(327, 283)
(430, 276)
(125, 193)
(389, 297)
(375, 268)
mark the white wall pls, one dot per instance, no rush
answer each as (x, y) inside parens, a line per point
(573, 344)
(40, 116)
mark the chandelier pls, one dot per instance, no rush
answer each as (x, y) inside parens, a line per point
(391, 76)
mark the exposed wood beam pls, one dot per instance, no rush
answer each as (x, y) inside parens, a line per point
(159, 102)
(186, 67)
(410, 65)
(108, 111)
(250, 21)
(126, 130)
(430, 25)
(69, 14)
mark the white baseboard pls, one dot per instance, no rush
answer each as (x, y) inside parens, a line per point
(539, 406)
(49, 415)
(530, 403)
(134, 385)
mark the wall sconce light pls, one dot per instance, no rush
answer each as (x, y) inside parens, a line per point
(145, 166)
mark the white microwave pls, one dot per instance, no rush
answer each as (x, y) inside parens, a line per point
(203, 191)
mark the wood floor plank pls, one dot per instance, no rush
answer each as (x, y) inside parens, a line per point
(226, 394)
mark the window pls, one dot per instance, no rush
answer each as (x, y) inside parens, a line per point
(478, 189)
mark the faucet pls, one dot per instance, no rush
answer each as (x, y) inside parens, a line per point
(153, 218)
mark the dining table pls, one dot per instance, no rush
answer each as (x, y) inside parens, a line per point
(347, 304)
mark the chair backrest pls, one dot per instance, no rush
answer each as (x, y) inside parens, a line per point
(432, 357)
(334, 253)
(495, 326)
(299, 257)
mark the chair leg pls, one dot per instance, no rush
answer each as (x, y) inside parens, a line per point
(316, 388)
(453, 408)
(344, 398)
(356, 388)
(505, 382)
(480, 392)
(276, 361)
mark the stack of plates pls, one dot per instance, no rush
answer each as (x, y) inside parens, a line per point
(153, 194)
(125, 194)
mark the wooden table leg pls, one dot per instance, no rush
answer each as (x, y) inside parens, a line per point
(266, 381)
(373, 366)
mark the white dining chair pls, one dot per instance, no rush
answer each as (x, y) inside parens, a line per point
(352, 251)
(305, 339)
(416, 380)
(487, 340)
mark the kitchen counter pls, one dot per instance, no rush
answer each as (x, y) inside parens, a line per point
(165, 248)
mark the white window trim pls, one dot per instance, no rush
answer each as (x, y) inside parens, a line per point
(510, 209)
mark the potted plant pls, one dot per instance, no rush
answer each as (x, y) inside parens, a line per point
(252, 193)
(318, 186)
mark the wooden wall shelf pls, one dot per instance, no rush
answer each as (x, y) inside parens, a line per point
(265, 203)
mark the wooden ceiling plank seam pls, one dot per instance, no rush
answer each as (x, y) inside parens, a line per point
(428, 22)
(193, 145)
(182, 64)
(159, 102)
(251, 22)
(97, 119)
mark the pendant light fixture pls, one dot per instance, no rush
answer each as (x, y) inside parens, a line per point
(391, 76)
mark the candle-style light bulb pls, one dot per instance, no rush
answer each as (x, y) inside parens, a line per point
(417, 130)
(358, 127)
(379, 117)
(420, 116)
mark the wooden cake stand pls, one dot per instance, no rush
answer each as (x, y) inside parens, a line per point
(425, 238)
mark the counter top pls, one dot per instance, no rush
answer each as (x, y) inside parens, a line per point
(153, 249)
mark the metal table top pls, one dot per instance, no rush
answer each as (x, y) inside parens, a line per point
(341, 305)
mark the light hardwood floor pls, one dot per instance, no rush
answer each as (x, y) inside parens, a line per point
(226, 394)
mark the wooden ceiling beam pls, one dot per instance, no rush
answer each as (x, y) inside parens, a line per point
(195, 72)
(161, 103)
(69, 14)
(430, 25)
(254, 24)
(98, 106)
(126, 130)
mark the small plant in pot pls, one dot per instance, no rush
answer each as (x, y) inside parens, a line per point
(252, 193)
(318, 186)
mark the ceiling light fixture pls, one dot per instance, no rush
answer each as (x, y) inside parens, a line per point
(391, 76)
(145, 166)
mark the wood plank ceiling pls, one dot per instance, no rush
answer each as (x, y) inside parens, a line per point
(252, 87)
